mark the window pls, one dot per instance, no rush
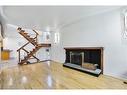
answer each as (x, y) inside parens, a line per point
(125, 24)
(57, 37)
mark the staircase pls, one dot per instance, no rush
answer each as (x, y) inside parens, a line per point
(34, 42)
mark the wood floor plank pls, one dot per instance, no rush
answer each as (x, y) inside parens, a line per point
(52, 75)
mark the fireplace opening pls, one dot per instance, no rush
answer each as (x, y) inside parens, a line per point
(93, 57)
(85, 59)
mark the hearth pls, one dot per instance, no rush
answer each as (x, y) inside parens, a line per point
(87, 59)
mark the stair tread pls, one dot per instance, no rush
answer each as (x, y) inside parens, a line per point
(44, 45)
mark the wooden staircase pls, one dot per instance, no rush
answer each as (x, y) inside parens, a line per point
(34, 42)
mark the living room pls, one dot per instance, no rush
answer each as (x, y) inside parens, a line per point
(90, 40)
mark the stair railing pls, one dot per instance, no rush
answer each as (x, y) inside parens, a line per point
(22, 48)
(36, 35)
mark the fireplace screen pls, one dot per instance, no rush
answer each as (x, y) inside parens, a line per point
(83, 60)
(86, 59)
(77, 57)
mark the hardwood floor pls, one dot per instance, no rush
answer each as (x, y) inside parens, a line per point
(52, 75)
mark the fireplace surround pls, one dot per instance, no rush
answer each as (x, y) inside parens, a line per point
(86, 59)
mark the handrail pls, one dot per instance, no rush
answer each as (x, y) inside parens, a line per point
(35, 32)
(25, 50)
(36, 35)
(23, 46)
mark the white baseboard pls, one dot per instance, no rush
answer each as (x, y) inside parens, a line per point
(121, 77)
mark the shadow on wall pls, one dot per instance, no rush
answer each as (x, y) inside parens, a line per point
(124, 75)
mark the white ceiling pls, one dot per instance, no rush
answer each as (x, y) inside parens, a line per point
(49, 17)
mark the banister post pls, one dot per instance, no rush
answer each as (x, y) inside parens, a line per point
(19, 55)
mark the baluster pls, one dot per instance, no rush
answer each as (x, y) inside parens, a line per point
(19, 56)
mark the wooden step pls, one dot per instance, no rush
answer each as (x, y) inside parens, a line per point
(31, 39)
(44, 45)
(25, 33)
(19, 28)
(22, 32)
(28, 36)
(22, 62)
(39, 45)
(28, 62)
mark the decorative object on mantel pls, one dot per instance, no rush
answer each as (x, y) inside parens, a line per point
(85, 59)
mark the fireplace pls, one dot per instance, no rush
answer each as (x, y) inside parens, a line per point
(87, 59)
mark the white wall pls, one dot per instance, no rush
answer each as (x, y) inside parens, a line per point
(57, 51)
(102, 30)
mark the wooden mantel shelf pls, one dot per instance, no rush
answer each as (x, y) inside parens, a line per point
(82, 48)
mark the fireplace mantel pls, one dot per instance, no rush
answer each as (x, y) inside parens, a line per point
(97, 52)
(82, 48)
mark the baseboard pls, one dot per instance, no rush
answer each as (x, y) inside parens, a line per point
(120, 77)
(56, 61)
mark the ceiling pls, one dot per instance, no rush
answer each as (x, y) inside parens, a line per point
(48, 18)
